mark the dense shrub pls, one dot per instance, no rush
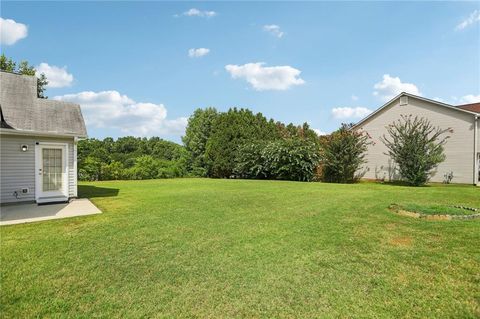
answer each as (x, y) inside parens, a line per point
(131, 158)
(416, 146)
(147, 167)
(289, 159)
(113, 170)
(90, 169)
(230, 130)
(343, 153)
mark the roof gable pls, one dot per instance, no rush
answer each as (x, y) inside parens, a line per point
(22, 111)
(389, 103)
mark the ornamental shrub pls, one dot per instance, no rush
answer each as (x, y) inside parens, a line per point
(343, 153)
(416, 147)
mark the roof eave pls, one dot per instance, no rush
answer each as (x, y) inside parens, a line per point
(6, 131)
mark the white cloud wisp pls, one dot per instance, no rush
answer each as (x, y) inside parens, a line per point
(390, 87)
(350, 112)
(197, 53)
(57, 77)
(12, 31)
(263, 78)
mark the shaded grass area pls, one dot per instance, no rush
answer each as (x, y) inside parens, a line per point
(234, 248)
(436, 209)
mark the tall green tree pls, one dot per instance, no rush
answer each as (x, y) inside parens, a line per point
(416, 146)
(197, 133)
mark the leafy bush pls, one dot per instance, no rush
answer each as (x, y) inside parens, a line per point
(416, 146)
(250, 161)
(290, 159)
(131, 158)
(112, 171)
(231, 130)
(90, 170)
(146, 167)
(343, 153)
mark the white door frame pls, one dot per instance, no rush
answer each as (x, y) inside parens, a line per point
(38, 174)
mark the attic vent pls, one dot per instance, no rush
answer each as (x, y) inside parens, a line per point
(403, 100)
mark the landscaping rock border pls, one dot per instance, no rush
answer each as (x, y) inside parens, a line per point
(400, 211)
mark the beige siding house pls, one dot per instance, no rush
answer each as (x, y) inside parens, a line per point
(38, 143)
(462, 149)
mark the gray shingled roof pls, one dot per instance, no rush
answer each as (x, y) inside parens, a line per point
(23, 111)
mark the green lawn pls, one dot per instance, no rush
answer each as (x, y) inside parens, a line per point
(232, 248)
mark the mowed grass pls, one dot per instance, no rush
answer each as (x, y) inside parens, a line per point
(202, 248)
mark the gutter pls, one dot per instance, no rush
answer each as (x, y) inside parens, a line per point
(476, 159)
(6, 131)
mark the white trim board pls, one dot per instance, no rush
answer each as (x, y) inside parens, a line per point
(65, 191)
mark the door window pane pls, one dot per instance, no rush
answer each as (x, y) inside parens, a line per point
(52, 169)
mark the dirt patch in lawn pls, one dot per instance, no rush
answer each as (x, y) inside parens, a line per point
(401, 241)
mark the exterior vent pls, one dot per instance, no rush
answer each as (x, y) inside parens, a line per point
(403, 100)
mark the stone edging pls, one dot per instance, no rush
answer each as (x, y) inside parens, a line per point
(398, 210)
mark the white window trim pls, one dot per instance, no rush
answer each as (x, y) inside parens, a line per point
(75, 172)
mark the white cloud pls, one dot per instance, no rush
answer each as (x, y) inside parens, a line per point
(274, 30)
(390, 87)
(266, 78)
(11, 31)
(196, 53)
(350, 112)
(319, 132)
(470, 98)
(110, 109)
(439, 99)
(472, 18)
(57, 77)
(199, 13)
(354, 98)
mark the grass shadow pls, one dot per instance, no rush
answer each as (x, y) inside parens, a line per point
(90, 191)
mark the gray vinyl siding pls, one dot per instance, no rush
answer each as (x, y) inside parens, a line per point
(17, 168)
(458, 150)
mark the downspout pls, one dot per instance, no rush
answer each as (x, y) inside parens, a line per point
(475, 152)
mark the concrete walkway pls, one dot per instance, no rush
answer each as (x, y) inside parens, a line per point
(28, 213)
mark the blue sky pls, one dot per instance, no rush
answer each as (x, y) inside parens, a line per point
(142, 68)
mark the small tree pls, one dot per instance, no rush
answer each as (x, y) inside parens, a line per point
(416, 146)
(343, 153)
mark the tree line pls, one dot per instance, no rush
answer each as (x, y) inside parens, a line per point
(240, 144)
(232, 144)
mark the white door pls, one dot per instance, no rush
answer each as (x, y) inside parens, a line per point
(52, 171)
